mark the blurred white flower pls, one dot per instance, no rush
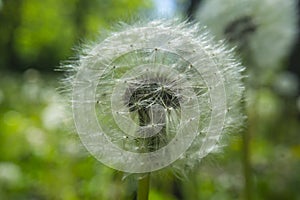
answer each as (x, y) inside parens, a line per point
(53, 115)
(262, 30)
(154, 93)
(10, 173)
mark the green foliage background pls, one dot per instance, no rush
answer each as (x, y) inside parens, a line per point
(41, 156)
(39, 34)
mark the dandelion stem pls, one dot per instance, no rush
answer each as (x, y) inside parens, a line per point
(144, 181)
(246, 151)
(143, 187)
(247, 165)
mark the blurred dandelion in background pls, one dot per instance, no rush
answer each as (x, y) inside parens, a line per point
(263, 31)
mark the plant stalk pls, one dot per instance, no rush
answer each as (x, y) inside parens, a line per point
(143, 187)
(247, 165)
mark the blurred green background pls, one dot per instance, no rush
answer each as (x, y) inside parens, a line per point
(40, 154)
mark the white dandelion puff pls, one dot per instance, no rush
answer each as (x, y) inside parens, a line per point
(154, 93)
(262, 30)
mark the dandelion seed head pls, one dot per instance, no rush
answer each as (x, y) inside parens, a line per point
(262, 30)
(158, 93)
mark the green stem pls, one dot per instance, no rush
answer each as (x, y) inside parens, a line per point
(247, 165)
(143, 187)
